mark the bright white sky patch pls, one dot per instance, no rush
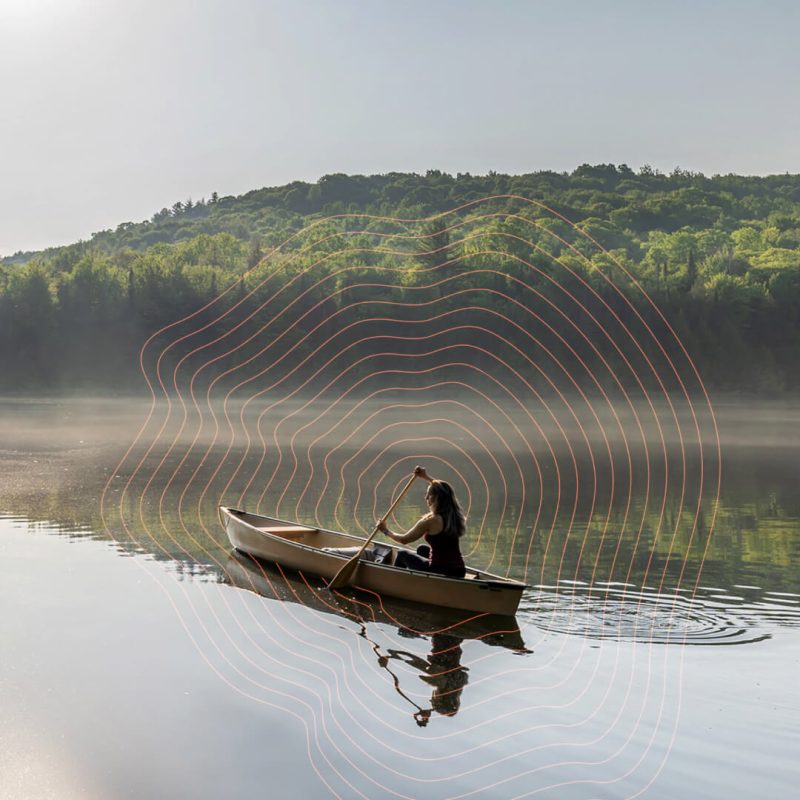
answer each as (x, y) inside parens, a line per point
(26, 15)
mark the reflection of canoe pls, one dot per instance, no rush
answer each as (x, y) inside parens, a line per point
(413, 619)
(300, 547)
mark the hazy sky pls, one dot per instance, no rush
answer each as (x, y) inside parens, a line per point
(113, 109)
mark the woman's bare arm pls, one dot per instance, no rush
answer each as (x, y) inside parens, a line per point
(426, 524)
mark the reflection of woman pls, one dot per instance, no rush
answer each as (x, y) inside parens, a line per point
(446, 674)
(442, 527)
(443, 671)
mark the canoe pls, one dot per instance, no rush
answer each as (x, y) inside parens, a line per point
(301, 547)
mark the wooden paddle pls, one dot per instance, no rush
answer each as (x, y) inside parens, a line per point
(348, 571)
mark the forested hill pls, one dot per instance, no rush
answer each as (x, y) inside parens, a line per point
(634, 206)
(721, 256)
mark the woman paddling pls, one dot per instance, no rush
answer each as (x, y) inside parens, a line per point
(442, 527)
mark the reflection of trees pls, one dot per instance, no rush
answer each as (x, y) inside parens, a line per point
(753, 530)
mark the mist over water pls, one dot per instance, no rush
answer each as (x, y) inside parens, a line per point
(60, 455)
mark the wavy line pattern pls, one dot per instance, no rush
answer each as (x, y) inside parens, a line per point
(523, 362)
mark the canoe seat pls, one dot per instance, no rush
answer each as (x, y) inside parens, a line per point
(288, 531)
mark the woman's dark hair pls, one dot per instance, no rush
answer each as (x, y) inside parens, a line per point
(447, 507)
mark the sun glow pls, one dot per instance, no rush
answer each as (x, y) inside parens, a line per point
(34, 14)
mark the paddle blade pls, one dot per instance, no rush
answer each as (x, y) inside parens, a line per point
(346, 574)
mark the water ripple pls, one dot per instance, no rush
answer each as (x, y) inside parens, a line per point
(713, 616)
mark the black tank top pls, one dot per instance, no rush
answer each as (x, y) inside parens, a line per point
(445, 554)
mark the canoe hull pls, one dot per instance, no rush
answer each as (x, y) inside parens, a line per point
(416, 620)
(301, 550)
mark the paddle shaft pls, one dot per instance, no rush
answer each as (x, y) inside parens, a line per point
(346, 573)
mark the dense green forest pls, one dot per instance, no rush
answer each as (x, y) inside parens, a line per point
(720, 256)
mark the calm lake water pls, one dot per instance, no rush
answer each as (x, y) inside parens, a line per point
(656, 653)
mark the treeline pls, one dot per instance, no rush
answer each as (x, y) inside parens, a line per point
(719, 255)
